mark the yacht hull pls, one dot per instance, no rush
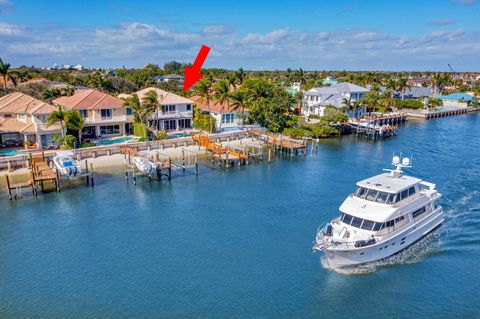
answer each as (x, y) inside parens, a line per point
(338, 258)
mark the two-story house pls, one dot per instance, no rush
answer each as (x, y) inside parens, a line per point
(24, 119)
(104, 114)
(226, 116)
(316, 99)
(175, 111)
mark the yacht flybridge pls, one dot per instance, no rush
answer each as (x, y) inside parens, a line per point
(386, 214)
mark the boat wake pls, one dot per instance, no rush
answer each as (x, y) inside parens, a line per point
(410, 255)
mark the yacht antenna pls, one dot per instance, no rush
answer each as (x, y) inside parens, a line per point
(399, 164)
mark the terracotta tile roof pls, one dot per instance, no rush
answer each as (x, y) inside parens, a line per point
(214, 106)
(89, 99)
(165, 98)
(19, 103)
(12, 125)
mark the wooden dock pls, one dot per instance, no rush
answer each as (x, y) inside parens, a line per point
(279, 142)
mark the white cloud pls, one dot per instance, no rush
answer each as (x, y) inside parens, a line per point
(134, 44)
(9, 30)
(441, 22)
(218, 29)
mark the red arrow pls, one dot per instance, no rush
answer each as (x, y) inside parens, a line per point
(192, 74)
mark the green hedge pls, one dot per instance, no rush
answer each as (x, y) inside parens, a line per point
(138, 130)
(408, 104)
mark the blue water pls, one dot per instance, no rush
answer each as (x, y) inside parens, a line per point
(235, 243)
(114, 141)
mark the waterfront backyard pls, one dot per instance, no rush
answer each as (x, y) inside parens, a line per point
(236, 242)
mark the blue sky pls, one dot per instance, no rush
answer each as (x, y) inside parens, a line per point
(323, 35)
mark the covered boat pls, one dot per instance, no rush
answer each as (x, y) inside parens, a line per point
(144, 165)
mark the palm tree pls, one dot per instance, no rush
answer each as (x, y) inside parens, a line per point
(440, 81)
(50, 94)
(75, 122)
(222, 95)
(67, 91)
(7, 75)
(55, 117)
(203, 90)
(239, 99)
(240, 75)
(231, 78)
(402, 85)
(140, 111)
(300, 76)
(152, 104)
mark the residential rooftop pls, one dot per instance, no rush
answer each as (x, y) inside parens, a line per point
(19, 103)
(89, 99)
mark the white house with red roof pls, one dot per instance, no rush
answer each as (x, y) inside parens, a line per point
(104, 114)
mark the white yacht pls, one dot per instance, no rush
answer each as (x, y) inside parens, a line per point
(386, 214)
(144, 165)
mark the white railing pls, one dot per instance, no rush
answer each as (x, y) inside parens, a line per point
(120, 118)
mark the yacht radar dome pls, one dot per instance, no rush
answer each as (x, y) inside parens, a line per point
(396, 160)
(406, 161)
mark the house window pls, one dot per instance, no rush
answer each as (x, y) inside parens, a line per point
(84, 113)
(170, 108)
(189, 107)
(128, 111)
(228, 118)
(21, 117)
(109, 129)
(169, 125)
(106, 114)
(184, 123)
(7, 115)
(42, 118)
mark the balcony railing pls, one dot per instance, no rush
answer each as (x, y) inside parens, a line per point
(174, 114)
(109, 119)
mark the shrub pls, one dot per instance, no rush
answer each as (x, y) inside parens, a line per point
(408, 104)
(161, 135)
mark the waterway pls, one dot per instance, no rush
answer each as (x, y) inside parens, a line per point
(236, 242)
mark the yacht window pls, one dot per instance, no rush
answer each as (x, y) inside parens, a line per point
(371, 195)
(390, 199)
(347, 219)
(360, 192)
(404, 194)
(390, 223)
(399, 219)
(356, 222)
(367, 224)
(411, 191)
(377, 226)
(382, 197)
(418, 212)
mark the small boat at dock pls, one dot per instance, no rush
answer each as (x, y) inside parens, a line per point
(66, 165)
(144, 165)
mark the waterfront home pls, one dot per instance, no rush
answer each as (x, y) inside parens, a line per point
(168, 78)
(316, 99)
(418, 81)
(412, 93)
(104, 114)
(175, 113)
(457, 99)
(24, 119)
(226, 116)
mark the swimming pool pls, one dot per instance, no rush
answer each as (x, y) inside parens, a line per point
(177, 135)
(231, 129)
(114, 141)
(10, 152)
